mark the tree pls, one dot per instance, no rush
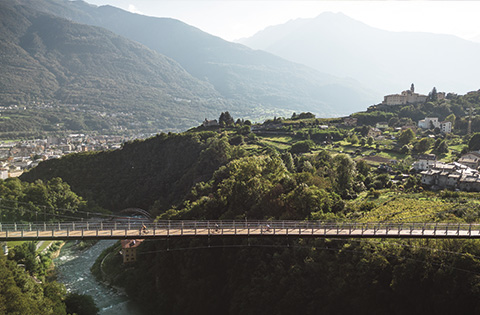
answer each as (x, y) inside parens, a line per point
(442, 147)
(353, 139)
(451, 118)
(474, 143)
(288, 161)
(370, 141)
(226, 119)
(346, 172)
(423, 145)
(405, 149)
(406, 136)
(364, 130)
(363, 167)
(302, 146)
(81, 304)
(433, 94)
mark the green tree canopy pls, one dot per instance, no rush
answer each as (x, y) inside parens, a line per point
(406, 136)
(474, 143)
(81, 304)
(451, 118)
(226, 119)
(423, 145)
(302, 146)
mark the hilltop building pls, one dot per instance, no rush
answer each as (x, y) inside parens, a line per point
(210, 123)
(406, 97)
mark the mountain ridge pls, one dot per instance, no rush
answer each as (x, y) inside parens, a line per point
(239, 73)
(383, 60)
(46, 58)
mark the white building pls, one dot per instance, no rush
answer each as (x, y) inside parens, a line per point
(3, 173)
(446, 127)
(429, 122)
(425, 162)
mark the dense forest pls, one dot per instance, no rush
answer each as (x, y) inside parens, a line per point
(229, 173)
(27, 280)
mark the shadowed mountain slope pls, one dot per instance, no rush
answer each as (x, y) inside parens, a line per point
(242, 75)
(47, 58)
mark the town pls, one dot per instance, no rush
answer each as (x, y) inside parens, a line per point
(16, 157)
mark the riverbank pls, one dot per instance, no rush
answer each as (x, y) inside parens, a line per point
(73, 270)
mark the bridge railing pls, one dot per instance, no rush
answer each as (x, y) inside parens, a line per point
(267, 226)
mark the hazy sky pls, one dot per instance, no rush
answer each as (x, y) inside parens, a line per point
(232, 20)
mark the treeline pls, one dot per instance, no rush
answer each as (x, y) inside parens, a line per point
(156, 172)
(25, 273)
(21, 294)
(25, 289)
(306, 276)
(38, 201)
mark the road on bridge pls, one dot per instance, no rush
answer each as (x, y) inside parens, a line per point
(163, 229)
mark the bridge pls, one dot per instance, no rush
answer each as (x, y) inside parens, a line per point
(135, 229)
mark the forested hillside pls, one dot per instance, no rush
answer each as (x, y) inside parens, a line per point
(21, 294)
(27, 283)
(228, 173)
(160, 170)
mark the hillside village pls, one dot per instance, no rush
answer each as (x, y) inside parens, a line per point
(437, 155)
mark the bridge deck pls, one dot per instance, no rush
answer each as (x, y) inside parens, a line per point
(132, 230)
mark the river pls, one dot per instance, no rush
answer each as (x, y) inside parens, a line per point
(73, 270)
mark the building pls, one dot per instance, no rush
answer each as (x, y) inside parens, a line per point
(429, 122)
(374, 132)
(3, 173)
(432, 122)
(446, 126)
(129, 250)
(451, 176)
(425, 162)
(210, 123)
(406, 97)
(350, 121)
(471, 159)
(382, 125)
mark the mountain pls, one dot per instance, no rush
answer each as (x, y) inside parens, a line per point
(246, 77)
(45, 58)
(385, 61)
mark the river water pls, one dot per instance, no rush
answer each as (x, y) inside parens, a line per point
(73, 270)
